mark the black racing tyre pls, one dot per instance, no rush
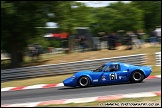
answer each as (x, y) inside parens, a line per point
(84, 81)
(136, 77)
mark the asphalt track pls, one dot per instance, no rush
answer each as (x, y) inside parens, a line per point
(36, 95)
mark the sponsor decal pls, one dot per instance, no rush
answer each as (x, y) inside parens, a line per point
(113, 76)
(120, 77)
(96, 80)
(103, 78)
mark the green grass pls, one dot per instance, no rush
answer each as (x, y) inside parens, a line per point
(33, 81)
(50, 59)
(156, 70)
(154, 100)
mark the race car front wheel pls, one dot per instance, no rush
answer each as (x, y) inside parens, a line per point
(83, 81)
(136, 77)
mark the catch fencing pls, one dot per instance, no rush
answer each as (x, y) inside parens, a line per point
(66, 68)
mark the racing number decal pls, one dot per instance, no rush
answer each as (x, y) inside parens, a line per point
(113, 76)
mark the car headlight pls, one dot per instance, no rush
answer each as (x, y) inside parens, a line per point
(73, 77)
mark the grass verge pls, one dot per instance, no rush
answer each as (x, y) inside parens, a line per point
(155, 101)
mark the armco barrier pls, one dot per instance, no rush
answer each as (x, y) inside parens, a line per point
(65, 68)
(158, 58)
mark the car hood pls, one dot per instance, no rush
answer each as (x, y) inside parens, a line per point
(83, 72)
(146, 67)
(140, 67)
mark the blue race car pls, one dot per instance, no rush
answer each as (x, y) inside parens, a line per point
(112, 72)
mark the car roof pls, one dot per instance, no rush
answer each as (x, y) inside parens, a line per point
(113, 63)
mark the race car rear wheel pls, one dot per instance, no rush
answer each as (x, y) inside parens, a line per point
(136, 77)
(83, 81)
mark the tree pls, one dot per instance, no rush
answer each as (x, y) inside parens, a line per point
(73, 14)
(130, 18)
(106, 19)
(19, 20)
(152, 12)
(119, 16)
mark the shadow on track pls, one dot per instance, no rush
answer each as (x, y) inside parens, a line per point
(98, 85)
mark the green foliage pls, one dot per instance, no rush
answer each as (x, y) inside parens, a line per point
(19, 20)
(55, 43)
(69, 17)
(119, 16)
(152, 12)
(40, 41)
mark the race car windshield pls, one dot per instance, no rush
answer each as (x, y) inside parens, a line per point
(99, 69)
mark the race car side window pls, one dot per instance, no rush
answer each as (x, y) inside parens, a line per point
(113, 68)
(118, 67)
(99, 69)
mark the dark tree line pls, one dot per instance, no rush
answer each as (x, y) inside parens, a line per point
(19, 20)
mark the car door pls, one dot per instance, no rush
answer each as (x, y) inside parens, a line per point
(96, 77)
(97, 74)
(111, 77)
(114, 76)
